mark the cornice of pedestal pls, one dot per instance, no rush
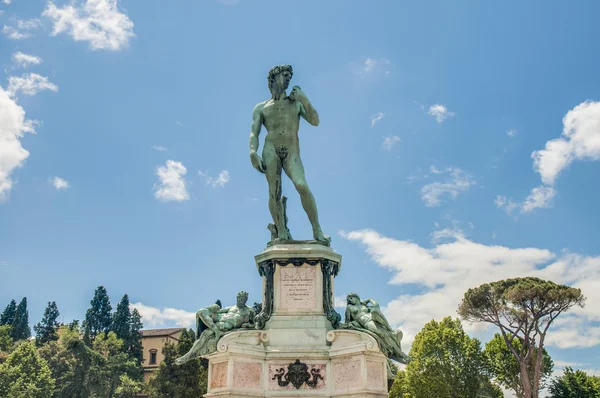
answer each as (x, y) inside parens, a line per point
(310, 251)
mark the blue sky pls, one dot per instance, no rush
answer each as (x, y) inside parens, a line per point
(458, 144)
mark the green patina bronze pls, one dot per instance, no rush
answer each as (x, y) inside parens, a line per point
(366, 316)
(213, 322)
(281, 117)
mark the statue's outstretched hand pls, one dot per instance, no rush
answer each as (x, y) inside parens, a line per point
(257, 162)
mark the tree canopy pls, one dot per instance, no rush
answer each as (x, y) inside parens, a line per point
(98, 317)
(46, 329)
(522, 308)
(25, 374)
(445, 363)
(575, 384)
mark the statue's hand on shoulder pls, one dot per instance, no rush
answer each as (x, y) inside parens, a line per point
(257, 162)
(297, 94)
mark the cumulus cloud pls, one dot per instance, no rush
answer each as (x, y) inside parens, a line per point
(540, 197)
(511, 133)
(13, 126)
(216, 182)
(440, 112)
(446, 270)
(580, 140)
(153, 317)
(171, 185)
(30, 84)
(456, 182)
(24, 60)
(158, 148)
(389, 142)
(99, 22)
(60, 183)
(22, 28)
(377, 117)
(339, 302)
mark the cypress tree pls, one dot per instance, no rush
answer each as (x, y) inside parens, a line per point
(8, 315)
(122, 319)
(46, 330)
(98, 317)
(134, 342)
(20, 327)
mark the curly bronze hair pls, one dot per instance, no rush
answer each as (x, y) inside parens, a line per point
(243, 294)
(277, 69)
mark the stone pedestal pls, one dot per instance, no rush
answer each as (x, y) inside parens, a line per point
(298, 352)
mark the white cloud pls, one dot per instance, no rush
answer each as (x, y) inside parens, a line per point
(60, 183)
(158, 148)
(439, 112)
(30, 84)
(98, 22)
(13, 125)
(24, 60)
(374, 119)
(153, 317)
(448, 269)
(540, 197)
(507, 204)
(580, 140)
(511, 133)
(390, 142)
(171, 185)
(216, 182)
(6, 1)
(339, 302)
(22, 30)
(372, 68)
(456, 183)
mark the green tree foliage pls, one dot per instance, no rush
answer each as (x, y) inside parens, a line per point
(46, 330)
(20, 326)
(522, 308)
(25, 374)
(122, 319)
(70, 360)
(446, 363)
(128, 388)
(8, 315)
(98, 318)
(575, 384)
(109, 364)
(504, 368)
(6, 343)
(186, 381)
(5, 339)
(133, 343)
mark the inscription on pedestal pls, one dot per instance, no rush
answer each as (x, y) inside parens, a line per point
(298, 287)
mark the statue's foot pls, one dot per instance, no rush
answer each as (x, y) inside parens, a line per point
(180, 361)
(319, 236)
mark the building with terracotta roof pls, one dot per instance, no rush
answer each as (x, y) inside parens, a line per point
(153, 341)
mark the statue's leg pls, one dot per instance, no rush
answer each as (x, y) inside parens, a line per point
(273, 164)
(295, 170)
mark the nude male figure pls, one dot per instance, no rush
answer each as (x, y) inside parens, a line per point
(281, 117)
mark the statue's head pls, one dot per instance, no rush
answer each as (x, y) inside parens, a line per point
(279, 78)
(352, 298)
(242, 298)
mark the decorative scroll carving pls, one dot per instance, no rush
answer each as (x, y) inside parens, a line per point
(297, 374)
(267, 270)
(329, 269)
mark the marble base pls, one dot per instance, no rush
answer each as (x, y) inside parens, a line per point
(298, 323)
(246, 364)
